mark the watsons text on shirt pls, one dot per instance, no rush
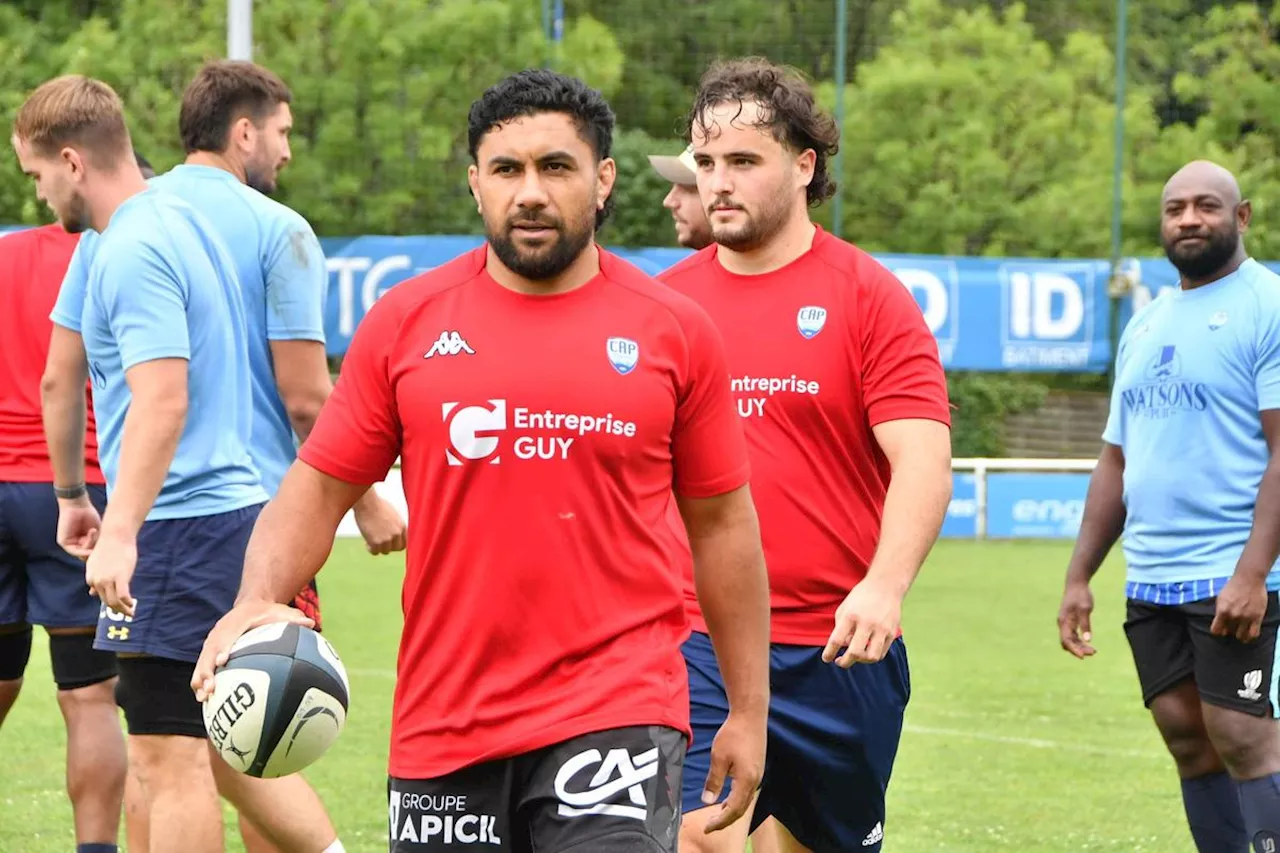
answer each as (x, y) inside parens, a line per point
(1165, 399)
(477, 432)
(1165, 393)
(767, 386)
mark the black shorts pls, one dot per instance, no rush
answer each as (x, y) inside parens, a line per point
(615, 791)
(1172, 642)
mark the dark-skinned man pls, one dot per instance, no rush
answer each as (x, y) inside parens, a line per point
(1190, 477)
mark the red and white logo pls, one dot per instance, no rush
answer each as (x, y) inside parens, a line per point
(474, 431)
(477, 433)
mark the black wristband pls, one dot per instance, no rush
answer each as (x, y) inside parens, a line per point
(71, 493)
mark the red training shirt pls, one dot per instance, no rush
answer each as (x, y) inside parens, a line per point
(540, 440)
(32, 264)
(820, 351)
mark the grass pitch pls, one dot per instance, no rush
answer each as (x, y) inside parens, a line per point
(1011, 744)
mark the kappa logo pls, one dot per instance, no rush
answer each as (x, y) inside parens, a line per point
(623, 353)
(810, 320)
(449, 343)
(1252, 681)
(615, 773)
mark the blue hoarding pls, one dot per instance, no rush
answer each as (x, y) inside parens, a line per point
(988, 314)
(961, 521)
(1035, 505)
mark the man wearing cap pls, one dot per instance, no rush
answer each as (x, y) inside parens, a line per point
(692, 229)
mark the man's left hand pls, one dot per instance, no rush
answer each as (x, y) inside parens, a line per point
(867, 623)
(1241, 606)
(380, 524)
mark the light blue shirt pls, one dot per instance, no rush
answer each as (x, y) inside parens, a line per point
(283, 282)
(157, 283)
(1194, 369)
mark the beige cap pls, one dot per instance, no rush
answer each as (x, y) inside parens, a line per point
(678, 170)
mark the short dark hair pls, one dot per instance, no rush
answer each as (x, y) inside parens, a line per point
(223, 92)
(787, 108)
(538, 90)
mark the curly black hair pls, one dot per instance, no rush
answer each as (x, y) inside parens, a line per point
(539, 90)
(787, 109)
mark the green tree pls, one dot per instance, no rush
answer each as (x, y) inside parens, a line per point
(639, 218)
(669, 44)
(968, 135)
(381, 93)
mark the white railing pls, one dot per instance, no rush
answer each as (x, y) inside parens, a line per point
(981, 465)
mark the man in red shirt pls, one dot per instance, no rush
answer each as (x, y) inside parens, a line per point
(548, 402)
(844, 399)
(40, 583)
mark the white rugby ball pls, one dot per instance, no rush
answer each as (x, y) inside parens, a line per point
(279, 702)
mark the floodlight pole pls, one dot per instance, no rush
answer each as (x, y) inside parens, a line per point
(837, 165)
(240, 29)
(1117, 183)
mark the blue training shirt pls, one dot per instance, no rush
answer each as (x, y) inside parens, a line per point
(1194, 369)
(158, 283)
(283, 281)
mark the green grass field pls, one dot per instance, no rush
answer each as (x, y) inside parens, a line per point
(1011, 745)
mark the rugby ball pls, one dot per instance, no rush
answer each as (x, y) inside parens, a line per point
(279, 702)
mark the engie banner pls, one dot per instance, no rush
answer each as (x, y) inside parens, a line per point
(988, 314)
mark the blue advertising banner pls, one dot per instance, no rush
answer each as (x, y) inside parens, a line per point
(961, 521)
(1035, 505)
(1048, 315)
(988, 314)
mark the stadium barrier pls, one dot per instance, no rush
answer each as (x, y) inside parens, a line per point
(991, 498)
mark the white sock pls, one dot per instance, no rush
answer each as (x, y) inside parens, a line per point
(335, 847)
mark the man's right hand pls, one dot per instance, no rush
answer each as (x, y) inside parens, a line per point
(78, 526)
(243, 617)
(1073, 619)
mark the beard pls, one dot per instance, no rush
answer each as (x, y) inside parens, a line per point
(759, 227)
(260, 178)
(1203, 260)
(547, 260)
(75, 218)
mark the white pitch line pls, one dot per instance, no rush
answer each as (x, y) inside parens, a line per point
(1036, 743)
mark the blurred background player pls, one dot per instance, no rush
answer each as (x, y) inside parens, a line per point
(163, 328)
(40, 583)
(1189, 473)
(690, 217)
(558, 710)
(843, 396)
(234, 122)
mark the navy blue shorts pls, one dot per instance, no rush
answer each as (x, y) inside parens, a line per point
(187, 578)
(39, 582)
(833, 737)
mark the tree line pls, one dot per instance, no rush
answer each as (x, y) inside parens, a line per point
(976, 128)
(972, 127)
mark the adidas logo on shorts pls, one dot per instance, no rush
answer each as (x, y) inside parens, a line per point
(875, 836)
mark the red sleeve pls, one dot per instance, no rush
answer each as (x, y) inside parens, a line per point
(357, 436)
(902, 375)
(708, 445)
